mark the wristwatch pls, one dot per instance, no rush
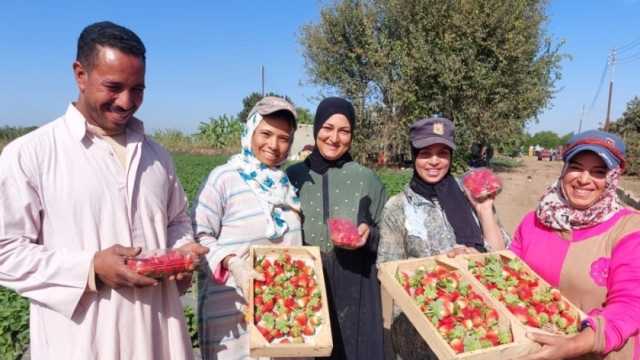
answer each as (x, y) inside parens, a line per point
(585, 324)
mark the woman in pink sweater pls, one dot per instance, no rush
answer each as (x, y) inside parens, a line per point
(583, 241)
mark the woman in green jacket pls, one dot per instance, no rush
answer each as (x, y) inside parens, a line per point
(332, 185)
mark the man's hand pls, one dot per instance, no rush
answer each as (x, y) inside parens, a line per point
(110, 268)
(195, 251)
(242, 273)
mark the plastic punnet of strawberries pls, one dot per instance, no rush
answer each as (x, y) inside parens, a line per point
(287, 303)
(481, 183)
(344, 233)
(161, 263)
(532, 302)
(461, 315)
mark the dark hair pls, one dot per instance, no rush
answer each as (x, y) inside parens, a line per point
(111, 35)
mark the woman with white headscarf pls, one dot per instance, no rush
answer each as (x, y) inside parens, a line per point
(247, 201)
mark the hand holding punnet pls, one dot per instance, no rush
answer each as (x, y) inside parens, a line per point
(346, 235)
(111, 269)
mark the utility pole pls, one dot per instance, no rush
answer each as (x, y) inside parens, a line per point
(581, 117)
(262, 76)
(612, 62)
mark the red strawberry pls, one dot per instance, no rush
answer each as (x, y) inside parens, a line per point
(520, 313)
(301, 319)
(308, 330)
(525, 293)
(533, 321)
(457, 346)
(492, 336)
(289, 303)
(491, 317)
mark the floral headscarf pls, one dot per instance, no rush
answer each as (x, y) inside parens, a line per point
(554, 210)
(270, 184)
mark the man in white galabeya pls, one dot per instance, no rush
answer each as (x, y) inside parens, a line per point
(80, 195)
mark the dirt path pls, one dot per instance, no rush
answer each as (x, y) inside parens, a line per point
(524, 185)
(522, 188)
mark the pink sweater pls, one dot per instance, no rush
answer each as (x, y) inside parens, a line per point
(604, 258)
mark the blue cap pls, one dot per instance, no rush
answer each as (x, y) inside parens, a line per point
(608, 146)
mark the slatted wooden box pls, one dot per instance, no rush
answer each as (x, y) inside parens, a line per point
(464, 260)
(393, 293)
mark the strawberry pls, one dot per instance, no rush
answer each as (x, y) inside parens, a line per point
(491, 317)
(308, 330)
(457, 346)
(533, 321)
(492, 337)
(289, 303)
(519, 312)
(571, 319)
(301, 319)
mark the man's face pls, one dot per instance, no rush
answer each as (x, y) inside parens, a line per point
(111, 90)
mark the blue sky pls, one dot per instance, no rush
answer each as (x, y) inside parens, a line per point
(205, 56)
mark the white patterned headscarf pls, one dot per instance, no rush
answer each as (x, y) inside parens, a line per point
(270, 184)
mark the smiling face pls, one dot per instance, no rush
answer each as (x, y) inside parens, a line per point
(432, 162)
(271, 140)
(334, 137)
(584, 180)
(111, 90)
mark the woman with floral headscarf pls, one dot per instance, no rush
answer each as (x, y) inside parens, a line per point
(583, 241)
(247, 201)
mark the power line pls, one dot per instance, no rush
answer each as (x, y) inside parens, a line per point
(629, 59)
(604, 74)
(628, 46)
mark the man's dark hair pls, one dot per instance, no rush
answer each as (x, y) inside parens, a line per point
(107, 34)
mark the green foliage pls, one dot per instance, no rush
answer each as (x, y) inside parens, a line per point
(304, 116)
(628, 126)
(14, 324)
(546, 139)
(11, 132)
(222, 132)
(394, 180)
(488, 65)
(8, 133)
(193, 169)
(192, 325)
(175, 140)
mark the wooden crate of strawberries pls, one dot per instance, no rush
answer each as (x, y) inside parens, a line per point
(522, 293)
(451, 311)
(288, 314)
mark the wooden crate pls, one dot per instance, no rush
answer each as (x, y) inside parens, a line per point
(392, 293)
(323, 343)
(463, 262)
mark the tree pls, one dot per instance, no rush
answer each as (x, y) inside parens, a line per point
(250, 100)
(546, 139)
(487, 64)
(304, 116)
(628, 126)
